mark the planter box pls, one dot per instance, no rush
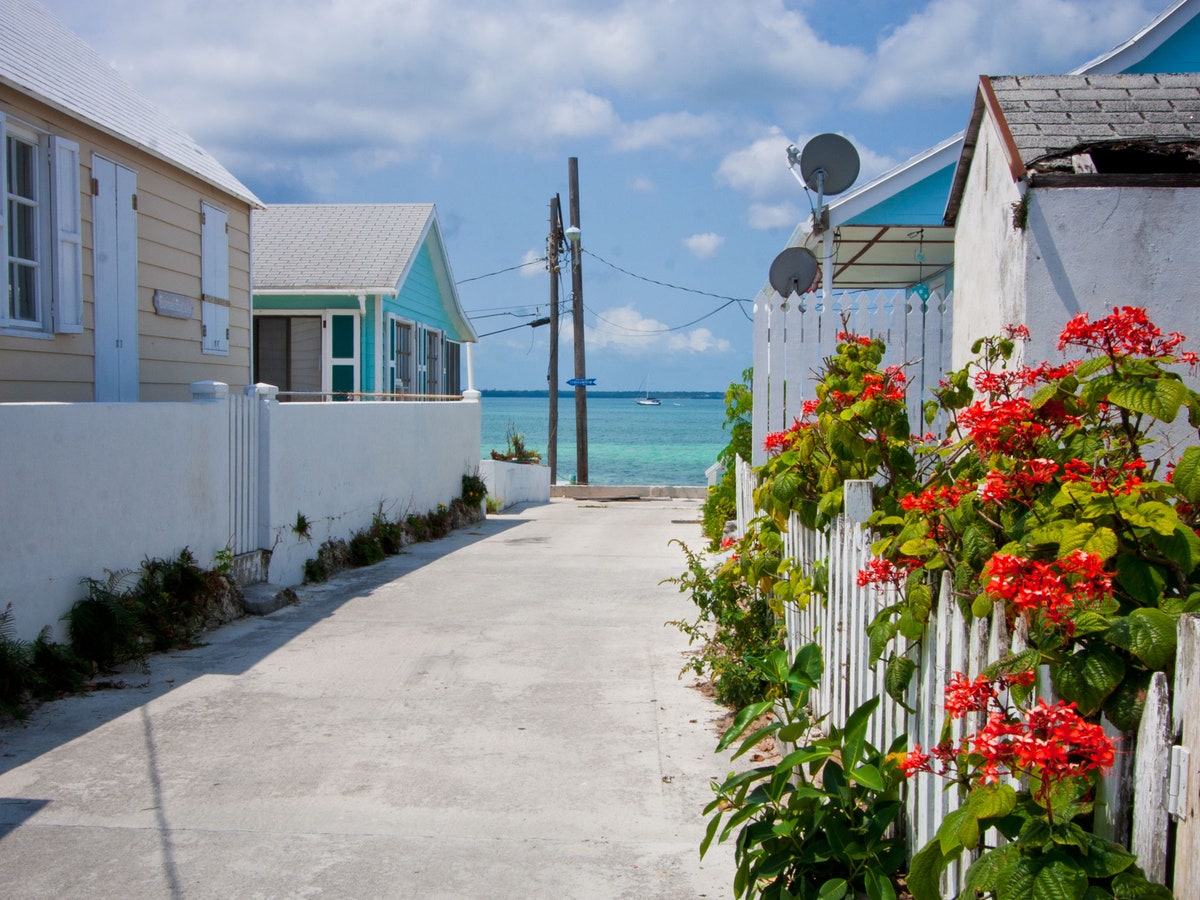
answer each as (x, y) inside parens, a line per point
(512, 483)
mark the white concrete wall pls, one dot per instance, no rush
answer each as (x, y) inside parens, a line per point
(989, 254)
(338, 463)
(93, 486)
(1091, 249)
(512, 483)
(86, 487)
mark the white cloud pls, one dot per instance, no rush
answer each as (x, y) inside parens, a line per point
(666, 130)
(625, 331)
(528, 269)
(698, 340)
(763, 216)
(1027, 37)
(760, 169)
(643, 185)
(704, 246)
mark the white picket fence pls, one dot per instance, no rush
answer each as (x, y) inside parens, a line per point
(951, 644)
(793, 337)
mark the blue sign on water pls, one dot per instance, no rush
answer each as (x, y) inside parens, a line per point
(581, 382)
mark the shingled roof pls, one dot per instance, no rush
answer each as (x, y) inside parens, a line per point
(43, 59)
(352, 247)
(1044, 118)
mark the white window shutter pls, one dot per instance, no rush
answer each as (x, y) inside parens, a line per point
(3, 219)
(214, 253)
(68, 236)
(214, 322)
(214, 280)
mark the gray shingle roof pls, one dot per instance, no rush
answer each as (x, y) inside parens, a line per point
(41, 58)
(356, 247)
(1049, 114)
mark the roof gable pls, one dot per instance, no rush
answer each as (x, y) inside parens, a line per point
(1170, 43)
(41, 58)
(1042, 117)
(351, 248)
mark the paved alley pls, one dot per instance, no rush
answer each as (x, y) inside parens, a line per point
(493, 715)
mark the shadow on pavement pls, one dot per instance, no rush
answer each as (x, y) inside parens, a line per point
(230, 650)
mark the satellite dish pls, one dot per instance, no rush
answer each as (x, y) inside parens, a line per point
(794, 271)
(829, 164)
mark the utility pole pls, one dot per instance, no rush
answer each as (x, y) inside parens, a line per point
(581, 444)
(553, 249)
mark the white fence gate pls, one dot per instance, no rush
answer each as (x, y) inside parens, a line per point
(792, 338)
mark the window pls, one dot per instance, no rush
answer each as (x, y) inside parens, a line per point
(402, 358)
(433, 362)
(287, 354)
(453, 368)
(41, 276)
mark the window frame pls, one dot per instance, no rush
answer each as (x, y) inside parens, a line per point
(58, 233)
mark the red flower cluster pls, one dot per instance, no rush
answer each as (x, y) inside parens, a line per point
(884, 572)
(1055, 588)
(1020, 484)
(1127, 332)
(1120, 480)
(964, 695)
(1051, 741)
(934, 499)
(1008, 426)
(854, 338)
(889, 385)
(781, 440)
(1008, 382)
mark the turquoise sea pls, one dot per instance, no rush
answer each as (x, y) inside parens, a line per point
(670, 444)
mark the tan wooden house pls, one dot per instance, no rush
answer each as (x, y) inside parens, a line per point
(126, 273)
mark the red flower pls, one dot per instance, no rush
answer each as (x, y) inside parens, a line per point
(1127, 332)
(1054, 589)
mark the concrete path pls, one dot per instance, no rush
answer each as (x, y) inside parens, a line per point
(493, 715)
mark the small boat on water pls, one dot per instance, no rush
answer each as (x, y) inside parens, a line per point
(648, 400)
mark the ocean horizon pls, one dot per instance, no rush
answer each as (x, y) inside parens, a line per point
(671, 444)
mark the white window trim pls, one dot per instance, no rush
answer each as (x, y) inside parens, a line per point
(60, 234)
(393, 321)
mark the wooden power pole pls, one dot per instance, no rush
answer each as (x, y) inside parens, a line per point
(553, 249)
(581, 444)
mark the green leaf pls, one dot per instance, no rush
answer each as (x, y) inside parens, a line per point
(1124, 705)
(868, 776)
(991, 869)
(1142, 581)
(981, 606)
(878, 885)
(1159, 397)
(991, 801)
(1060, 878)
(809, 665)
(1158, 517)
(742, 721)
(897, 677)
(1088, 677)
(1149, 634)
(1187, 475)
(1104, 858)
(785, 487)
(1130, 886)
(833, 889)
(855, 732)
(925, 871)
(1103, 542)
(709, 833)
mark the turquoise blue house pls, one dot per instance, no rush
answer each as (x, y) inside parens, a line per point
(890, 233)
(355, 300)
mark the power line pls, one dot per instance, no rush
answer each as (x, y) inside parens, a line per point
(651, 332)
(665, 284)
(531, 262)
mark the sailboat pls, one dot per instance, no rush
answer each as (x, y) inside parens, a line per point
(648, 400)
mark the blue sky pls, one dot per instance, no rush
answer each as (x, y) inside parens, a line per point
(679, 111)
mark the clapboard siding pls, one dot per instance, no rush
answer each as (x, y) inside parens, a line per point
(168, 228)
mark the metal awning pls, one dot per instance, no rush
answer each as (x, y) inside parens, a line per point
(879, 257)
